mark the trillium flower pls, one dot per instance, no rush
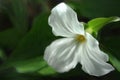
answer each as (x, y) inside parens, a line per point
(76, 46)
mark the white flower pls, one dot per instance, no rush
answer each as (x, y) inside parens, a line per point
(77, 46)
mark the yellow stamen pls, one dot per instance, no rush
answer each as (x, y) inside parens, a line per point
(80, 38)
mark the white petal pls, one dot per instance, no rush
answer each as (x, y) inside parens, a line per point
(93, 60)
(60, 54)
(64, 22)
(94, 44)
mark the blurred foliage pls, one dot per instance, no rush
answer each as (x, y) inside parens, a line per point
(16, 10)
(25, 33)
(110, 37)
(95, 8)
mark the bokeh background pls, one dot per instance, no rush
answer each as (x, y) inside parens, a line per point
(25, 33)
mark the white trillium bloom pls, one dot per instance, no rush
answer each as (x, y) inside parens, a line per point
(77, 46)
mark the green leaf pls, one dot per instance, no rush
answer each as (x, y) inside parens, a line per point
(12, 74)
(35, 65)
(47, 71)
(31, 65)
(26, 57)
(115, 62)
(96, 24)
(17, 12)
(20, 16)
(34, 43)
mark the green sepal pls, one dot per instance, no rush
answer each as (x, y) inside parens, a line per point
(94, 25)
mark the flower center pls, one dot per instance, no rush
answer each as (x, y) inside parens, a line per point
(80, 38)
